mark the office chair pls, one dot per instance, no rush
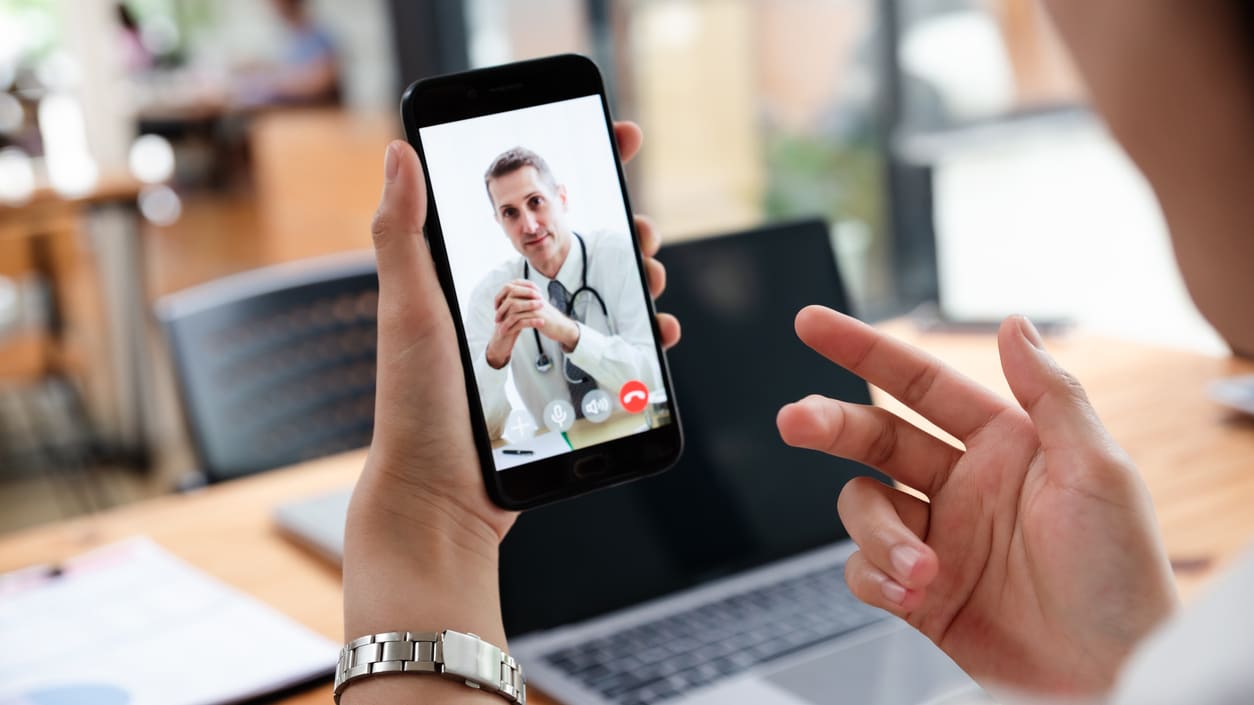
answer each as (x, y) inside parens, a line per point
(276, 365)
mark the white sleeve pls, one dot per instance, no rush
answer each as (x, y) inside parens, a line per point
(1204, 655)
(1200, 657)
(480, 323)
(630, 353)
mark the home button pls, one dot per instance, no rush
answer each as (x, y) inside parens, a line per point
(591, 466)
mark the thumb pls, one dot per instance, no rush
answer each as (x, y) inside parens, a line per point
(405, 268)
(1060, 410)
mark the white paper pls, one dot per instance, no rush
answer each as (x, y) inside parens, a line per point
(130, 624)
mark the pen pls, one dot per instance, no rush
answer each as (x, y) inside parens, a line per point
(516, 451)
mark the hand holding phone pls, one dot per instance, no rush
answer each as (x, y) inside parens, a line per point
(534, 245)
(420, 520)
(423, 458)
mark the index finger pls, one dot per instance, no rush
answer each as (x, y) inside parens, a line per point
(940, 393)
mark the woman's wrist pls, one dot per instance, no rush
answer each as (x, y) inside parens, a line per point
(421, 569)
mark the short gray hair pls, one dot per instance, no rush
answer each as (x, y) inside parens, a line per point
(512, 160)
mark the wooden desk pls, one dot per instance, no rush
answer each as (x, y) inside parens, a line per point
(1197, 458)
(99, 281)
(584, 433)
(304, 210)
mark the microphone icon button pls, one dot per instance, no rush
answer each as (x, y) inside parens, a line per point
(559, 415)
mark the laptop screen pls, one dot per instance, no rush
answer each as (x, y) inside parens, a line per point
(738, 497)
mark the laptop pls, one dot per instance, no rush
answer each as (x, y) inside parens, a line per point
(721, 580)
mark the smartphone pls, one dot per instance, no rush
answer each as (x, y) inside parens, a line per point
(531, 231)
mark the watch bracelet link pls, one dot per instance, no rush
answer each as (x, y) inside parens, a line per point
(452, 655)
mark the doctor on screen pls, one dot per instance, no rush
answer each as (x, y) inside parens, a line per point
(567, 316)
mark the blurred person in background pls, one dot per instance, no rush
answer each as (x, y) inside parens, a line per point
(1036, 562)
(135, 56)
(307, 69)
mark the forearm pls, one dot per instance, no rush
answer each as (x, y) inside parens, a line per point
(416, 570)
(614, 360)
(491, 383)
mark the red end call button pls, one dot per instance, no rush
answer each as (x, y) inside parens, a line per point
(634, 396)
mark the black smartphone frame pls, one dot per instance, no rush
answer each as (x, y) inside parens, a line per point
(488, 91)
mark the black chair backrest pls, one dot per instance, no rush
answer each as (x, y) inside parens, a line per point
(276, 365)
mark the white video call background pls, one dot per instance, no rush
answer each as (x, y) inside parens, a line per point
(570, 135)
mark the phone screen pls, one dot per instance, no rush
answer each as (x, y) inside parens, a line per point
(548, 287)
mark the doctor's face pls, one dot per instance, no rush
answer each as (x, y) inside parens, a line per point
(532, 213)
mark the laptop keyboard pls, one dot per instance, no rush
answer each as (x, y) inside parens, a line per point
(662, 659)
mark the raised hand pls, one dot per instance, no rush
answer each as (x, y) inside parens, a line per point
(1036, 563)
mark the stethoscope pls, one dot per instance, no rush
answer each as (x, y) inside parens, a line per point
(543, 363)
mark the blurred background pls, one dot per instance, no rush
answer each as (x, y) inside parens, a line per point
(151, 146)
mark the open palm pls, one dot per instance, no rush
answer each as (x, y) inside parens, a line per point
(1036, 563)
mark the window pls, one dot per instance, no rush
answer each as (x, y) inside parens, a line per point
(754, 111)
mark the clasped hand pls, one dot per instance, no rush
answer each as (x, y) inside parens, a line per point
(519, 306)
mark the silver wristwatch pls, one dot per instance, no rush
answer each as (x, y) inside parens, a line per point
(453, 655)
